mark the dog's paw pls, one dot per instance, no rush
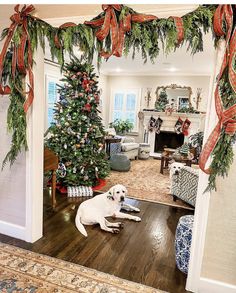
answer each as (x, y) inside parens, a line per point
(115, 231)
(137, 219)
(121, 225)
(137, 210)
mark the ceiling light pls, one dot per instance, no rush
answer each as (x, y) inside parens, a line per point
(118, 69)
(172, 69)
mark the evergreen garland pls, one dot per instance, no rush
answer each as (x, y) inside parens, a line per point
(223, 154)
(143, 37)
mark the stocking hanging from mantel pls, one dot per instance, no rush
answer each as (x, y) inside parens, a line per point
(151, 123)
(155, 124)
(158, 124)
(178, 126)
(185, 127)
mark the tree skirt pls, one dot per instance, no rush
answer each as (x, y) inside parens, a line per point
(26, 271)
(144, 181)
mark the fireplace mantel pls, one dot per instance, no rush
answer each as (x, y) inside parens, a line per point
(197, 124)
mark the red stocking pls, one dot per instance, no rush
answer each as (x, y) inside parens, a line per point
(185, 126)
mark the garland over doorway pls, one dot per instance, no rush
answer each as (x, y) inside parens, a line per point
(119, 30)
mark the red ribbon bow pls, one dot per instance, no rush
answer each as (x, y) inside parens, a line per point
(109, 24)
(223, 15)
(19, 18)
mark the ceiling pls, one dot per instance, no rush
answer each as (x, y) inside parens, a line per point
(177, 63)
(47, 11)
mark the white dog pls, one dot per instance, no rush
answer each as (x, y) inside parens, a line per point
(174, 171)
(109, 204)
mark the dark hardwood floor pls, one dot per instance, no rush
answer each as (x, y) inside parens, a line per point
(142, 252)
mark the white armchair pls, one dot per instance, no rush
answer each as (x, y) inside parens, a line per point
(129, 147)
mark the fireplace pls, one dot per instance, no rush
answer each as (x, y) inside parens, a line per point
(167, 139)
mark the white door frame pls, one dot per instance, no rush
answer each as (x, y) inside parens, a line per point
(194, 280)
(34, 181)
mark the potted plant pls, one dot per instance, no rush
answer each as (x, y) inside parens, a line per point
(121, 126)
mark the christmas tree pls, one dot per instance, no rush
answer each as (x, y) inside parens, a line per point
(162, 101)
(77, 135)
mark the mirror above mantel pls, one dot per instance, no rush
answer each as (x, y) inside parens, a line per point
(177, 97)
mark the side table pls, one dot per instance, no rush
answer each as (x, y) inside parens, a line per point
(108, 142)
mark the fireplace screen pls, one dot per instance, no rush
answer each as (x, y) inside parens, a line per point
(167, 139)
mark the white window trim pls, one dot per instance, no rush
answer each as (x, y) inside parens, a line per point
(48, 78)
(137, 108)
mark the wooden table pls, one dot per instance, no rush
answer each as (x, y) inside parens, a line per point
(166, 158)
(51, 164)
(108, 142)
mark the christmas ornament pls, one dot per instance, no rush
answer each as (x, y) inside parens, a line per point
(96, 172)
(74, 170)
(65, 146)
(86, 177)
(67, 164)
(78, 145)
(61, 170)
(87, 107)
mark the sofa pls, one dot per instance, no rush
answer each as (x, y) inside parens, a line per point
(184, 186)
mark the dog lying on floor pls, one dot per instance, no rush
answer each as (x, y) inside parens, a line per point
(96, 209)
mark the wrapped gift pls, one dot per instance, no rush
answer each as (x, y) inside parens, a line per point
(78, 191)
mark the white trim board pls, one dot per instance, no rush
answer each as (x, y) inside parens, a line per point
(209, 285)
(12, 230)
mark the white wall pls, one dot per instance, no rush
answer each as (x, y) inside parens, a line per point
(12, 180)
(144, 82)
(219, 261)
(21, 186)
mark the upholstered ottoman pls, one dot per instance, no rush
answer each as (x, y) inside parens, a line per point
(120, 162)
(183, 239)
(144, 151)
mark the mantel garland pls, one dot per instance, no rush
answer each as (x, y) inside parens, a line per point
(118, 29)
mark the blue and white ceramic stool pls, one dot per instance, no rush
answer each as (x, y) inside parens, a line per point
(183, 239)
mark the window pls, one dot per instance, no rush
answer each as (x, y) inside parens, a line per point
(52, 97)
(125, 105)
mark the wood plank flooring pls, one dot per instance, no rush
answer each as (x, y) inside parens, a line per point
(142, 252)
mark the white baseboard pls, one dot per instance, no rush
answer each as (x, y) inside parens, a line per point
(213, 286)
(12, 230)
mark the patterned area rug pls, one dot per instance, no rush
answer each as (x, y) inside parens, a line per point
(144, 181)
(26, 271)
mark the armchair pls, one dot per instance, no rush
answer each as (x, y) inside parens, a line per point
(129, 147)
(184, 185)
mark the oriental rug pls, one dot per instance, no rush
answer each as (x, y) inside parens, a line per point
(25, 271)
(145, 182)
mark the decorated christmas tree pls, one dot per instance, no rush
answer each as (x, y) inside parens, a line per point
(162, 101)
(77, 134)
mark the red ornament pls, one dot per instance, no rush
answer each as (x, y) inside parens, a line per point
(97, 98)
(86, 85)
(87, 107)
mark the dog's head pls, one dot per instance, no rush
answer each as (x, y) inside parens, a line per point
(118, 193)
(175, 168)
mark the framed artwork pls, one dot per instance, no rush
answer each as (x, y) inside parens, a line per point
(182, 102)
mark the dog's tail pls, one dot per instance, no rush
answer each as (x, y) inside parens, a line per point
(79, 225)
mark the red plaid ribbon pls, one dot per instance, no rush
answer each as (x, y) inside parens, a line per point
(19, 18)
(109, 24)
(223, 15)
(179, 24)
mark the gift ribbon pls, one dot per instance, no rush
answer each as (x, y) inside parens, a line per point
(19, 18)
(223, 15)
(65, 25)
(179, 24)
(109, 24)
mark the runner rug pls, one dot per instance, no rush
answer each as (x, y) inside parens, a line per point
(25, 271)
